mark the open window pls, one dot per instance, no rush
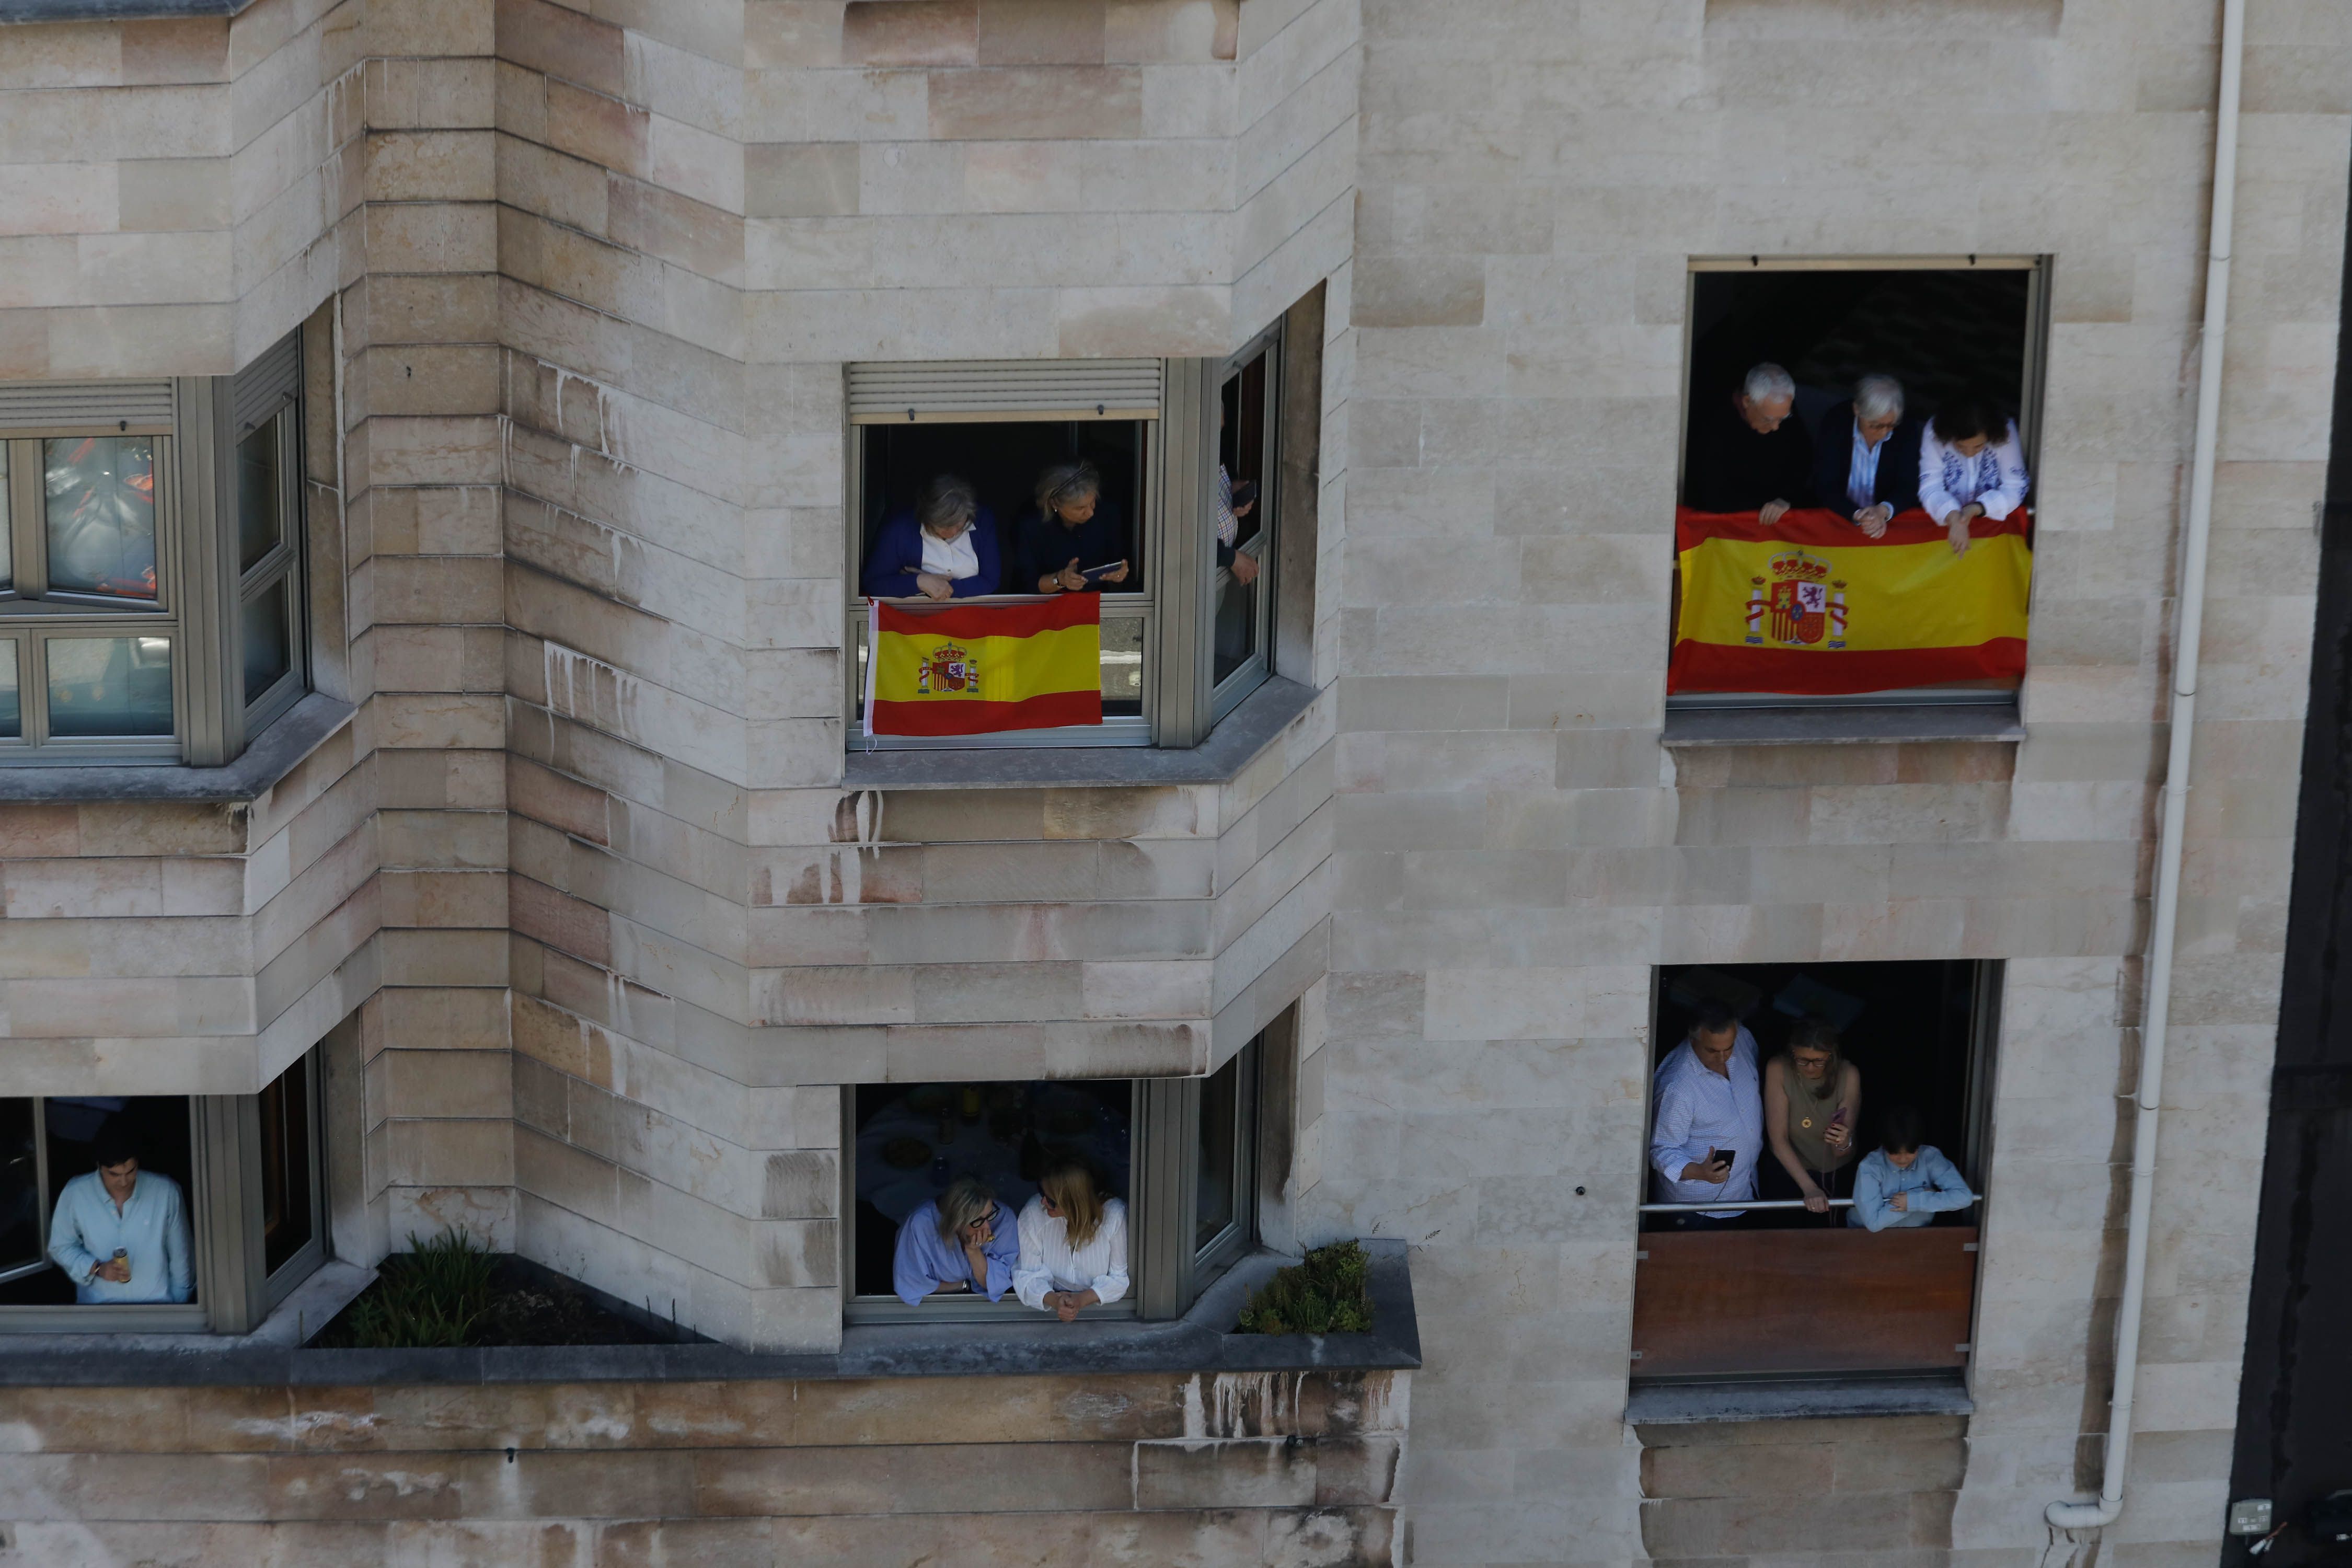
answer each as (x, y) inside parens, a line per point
(221, 1216)
(1740, 1278)
(1188, 497)
(1178, 1154)
(1853, 597)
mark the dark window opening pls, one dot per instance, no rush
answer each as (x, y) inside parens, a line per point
(1737, 1277)
(913, 1139)
(45, 1145)
(289, 1203)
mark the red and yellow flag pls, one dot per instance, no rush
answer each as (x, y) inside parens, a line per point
(973, 669)
(1815, 606)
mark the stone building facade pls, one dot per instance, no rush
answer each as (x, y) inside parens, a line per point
(569, 870)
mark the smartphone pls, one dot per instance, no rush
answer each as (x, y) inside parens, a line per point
(1096, 574)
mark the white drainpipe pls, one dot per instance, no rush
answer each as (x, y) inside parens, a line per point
(2093, 1515)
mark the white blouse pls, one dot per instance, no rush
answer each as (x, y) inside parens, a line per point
(954, 559)
(1994, 479)
(1048, 1262)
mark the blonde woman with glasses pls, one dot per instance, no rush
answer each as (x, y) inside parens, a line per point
(1073, 1243)
(962, 1240)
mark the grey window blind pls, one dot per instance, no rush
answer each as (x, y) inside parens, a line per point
(51, 405)
(268, 383)
(974, 391)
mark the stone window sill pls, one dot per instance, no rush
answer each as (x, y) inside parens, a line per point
(1845, 726)
(275, 753)
(273, 1354)
(1243, 735)
(1687, 1404)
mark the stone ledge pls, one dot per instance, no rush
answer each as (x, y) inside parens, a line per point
(1684, 1404)
(114, 10)
(1240, 740)
(275, 753)
(1197, 1343)
(1841, 726)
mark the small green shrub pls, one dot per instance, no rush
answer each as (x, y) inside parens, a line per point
(1323, 1294)
(432, 1295)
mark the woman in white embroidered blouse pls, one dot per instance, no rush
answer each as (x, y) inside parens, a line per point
(1965, 472)
(1073, 1245)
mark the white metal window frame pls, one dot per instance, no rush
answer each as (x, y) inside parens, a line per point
(195, 424)
(233, 1290)
(1176, 402)
(2031, 396)
(1167, 1270)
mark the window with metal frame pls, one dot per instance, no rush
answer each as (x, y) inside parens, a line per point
(151, 587)
(245, 1171)
(1186, 629)
(1178, 1153)
(1945, 329)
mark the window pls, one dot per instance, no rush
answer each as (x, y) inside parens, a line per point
(1177, 1153)
(137, 622)
(1185, 630)
(1820, 606)
(1735, 1275)
(224, 1215)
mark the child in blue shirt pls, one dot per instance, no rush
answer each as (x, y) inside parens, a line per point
(1904, 1184)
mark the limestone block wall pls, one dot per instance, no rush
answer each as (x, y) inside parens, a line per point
(1829, 1492)
(1513, 849)
(1290, 1467)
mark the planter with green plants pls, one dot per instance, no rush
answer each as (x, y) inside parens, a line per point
(1327, 1292)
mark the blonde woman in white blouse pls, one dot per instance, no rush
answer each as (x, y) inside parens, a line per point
(1965, 472)
(1073, 1245)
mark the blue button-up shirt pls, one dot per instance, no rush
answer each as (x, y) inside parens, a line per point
(1862, 472)
(1699, 1110)
(924, 1259)
(1931, 1187)
(153, 1227)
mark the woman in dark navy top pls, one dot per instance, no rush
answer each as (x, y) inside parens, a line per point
(942, 547)
(1071, 529)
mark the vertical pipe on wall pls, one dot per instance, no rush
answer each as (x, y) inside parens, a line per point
(2150, 1093)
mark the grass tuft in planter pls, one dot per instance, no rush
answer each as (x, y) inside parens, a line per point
(1324, 1293)
(433, 1295)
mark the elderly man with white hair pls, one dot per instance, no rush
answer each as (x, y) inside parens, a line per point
(1866, 464)
(1747, 453)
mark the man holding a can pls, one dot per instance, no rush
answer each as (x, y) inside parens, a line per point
(121, 1234)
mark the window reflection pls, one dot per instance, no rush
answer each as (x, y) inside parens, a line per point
(110, 685)
(258, 497)
(101, 515)
(1212, 1206)
(264, 636)
(7, 548)
(1242, 485)
(286, 1219)
(12, 708)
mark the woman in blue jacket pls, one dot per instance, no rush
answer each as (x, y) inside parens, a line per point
(942, 547)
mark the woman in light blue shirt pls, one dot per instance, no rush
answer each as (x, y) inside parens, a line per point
(1904, 1184)
(962, 1240)
(120, 1233)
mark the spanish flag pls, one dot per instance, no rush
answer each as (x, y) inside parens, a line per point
(974, 670)
(1815, 606)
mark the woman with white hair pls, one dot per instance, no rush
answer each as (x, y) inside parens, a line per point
(942, 547)
(1074, 540)
(962, 1240)
(1747, 453)
(1866, 463)
(1972, 465)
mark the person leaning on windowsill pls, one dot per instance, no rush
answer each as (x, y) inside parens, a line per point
(1972, 465)
(942, 547)
(1070, 530)
(962, 1240)
(1749, 452)
(1073, 1243)
(120, 1233)
(1866, 463)
(1813, 1099)
(1905, 1181)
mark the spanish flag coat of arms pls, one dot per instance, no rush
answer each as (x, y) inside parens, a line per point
(1813, 606)
(975, 670)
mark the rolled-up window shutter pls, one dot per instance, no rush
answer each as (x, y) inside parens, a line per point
(978, 391)
(29, 405)
(268, 383)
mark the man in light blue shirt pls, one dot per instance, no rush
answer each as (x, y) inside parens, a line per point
(121, 1234)
(1709, 1122)
(1904, 1183)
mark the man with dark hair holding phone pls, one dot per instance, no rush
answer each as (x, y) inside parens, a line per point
(120, 1233)
(1709, 1119)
